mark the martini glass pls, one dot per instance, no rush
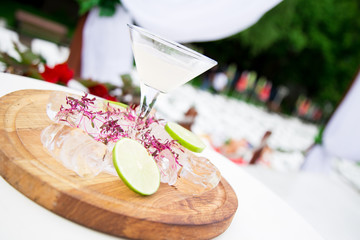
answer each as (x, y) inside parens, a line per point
(163, 65)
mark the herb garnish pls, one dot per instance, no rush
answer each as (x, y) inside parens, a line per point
(110, 124)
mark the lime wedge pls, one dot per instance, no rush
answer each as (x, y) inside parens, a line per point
(185, 137)
(118, 104)
(136, 167)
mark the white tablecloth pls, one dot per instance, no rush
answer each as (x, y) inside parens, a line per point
(261, 214)
(327, 201)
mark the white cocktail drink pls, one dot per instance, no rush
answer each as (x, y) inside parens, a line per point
(164, 71)
(163, 65)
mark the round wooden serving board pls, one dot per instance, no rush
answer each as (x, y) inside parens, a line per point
(102, 203)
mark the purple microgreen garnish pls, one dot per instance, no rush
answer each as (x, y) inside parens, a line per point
(112, 124)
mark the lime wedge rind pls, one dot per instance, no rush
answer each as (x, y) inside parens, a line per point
(117, 104)
(185, 137)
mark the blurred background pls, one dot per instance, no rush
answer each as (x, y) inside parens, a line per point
(268, 103)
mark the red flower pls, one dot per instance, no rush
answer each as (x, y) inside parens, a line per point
(100, 90)
(49, 75)
(111, 98)
(65, 73)
(61, 73)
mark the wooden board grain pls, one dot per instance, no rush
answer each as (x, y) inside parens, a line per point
(102, 203)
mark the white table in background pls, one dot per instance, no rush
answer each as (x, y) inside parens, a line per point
(261, 214)
(327, 201)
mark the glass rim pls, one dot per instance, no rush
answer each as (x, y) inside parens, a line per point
(173, 44)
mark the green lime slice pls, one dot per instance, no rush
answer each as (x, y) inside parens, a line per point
(118, 104)
(136, 167)
(185, 137)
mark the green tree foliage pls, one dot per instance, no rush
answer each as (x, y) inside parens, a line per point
(311, 46)
(106, 7)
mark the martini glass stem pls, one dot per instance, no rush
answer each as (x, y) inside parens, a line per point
(148, 99)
